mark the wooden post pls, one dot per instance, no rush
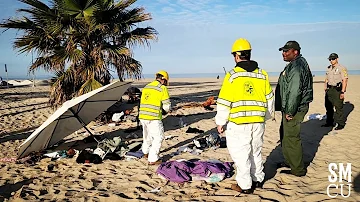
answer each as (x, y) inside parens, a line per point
(32, 62)
(7, 78)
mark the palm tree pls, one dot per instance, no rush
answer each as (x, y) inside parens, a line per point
(82, 41)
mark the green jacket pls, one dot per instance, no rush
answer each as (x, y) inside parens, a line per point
(295, 87)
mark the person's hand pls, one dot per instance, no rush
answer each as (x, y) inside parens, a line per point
(288, 117)
(220, 129)
(342, 96)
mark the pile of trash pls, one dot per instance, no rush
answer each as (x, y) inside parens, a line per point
(62, 154)
(114, 149)
(207, 104)
(123, 116)
(211, 141)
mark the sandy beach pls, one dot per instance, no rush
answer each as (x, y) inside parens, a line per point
(23, 109)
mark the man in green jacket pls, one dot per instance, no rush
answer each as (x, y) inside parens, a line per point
(293, 94)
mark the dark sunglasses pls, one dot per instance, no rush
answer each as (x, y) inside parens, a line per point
(330, 59)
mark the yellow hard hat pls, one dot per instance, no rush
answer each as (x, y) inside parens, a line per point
(241, 45)
(164, 74)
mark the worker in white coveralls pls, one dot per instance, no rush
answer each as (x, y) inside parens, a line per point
(245, 101)
(154, 102)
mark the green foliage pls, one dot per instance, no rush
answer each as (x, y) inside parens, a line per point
(82, 41)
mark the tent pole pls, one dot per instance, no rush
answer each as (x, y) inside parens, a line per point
(83, 124)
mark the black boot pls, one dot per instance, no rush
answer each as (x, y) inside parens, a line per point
(257, 184)
(282, 165)
(328, 125)
(339, 127)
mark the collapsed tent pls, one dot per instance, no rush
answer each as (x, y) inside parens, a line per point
(73, 115)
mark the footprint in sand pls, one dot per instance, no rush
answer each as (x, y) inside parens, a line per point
(81, 177)
(104, 195)
(70, 193)
(122, 195)
(144, 183)
(95, 199)
(96, 182)
(141, 189)
(112, 171)
(43, 192)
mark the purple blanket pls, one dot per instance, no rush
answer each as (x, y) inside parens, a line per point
(180, 171)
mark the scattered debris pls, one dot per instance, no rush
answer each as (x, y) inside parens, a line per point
(194, 130)
(169, 137)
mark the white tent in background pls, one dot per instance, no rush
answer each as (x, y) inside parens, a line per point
(73, 115)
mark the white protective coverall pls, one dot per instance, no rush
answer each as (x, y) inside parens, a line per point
(155, 97)
(244, 142)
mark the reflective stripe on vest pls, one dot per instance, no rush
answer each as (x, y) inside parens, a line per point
(235, 75)
(148, 113)
(223, 102)
(149, 110)
(167, 101)
(249, 103)
(247, 113)
(246, 106)
(158, 87)
(270, 95)
(149, 106)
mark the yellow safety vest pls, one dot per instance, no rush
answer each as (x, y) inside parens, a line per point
(246, 94)
(153, 96)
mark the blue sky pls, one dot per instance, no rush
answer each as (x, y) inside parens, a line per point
(196, 36)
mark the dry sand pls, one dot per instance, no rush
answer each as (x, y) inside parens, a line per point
(24, 108)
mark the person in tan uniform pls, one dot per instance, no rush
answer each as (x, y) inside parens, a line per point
(335, 88)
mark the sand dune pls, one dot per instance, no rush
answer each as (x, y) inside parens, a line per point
(23, 109)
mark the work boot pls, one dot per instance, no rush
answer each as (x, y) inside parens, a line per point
(257, 184)
(158, 162)
(237, 188)
(328, 125)
(282, 165)
(339, 127)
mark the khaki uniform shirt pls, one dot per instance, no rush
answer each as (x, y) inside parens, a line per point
(336, 74)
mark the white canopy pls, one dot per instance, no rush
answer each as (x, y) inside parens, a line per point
(73, 115)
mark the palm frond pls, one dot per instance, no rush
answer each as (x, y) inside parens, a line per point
(81, 41)
(62, 88)
(36, 4)
(19, 24)
(140, 36)
(88, 86)
(124, 4)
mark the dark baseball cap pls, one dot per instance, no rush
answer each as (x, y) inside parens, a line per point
(333, 56)
(290, 45)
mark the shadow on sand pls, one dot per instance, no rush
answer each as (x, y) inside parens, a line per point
(7, 188)
(356, 183)
(185, 142)
(28, 105)
(20, 96)
(171, 122)
(16, 135)
(311, 136)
